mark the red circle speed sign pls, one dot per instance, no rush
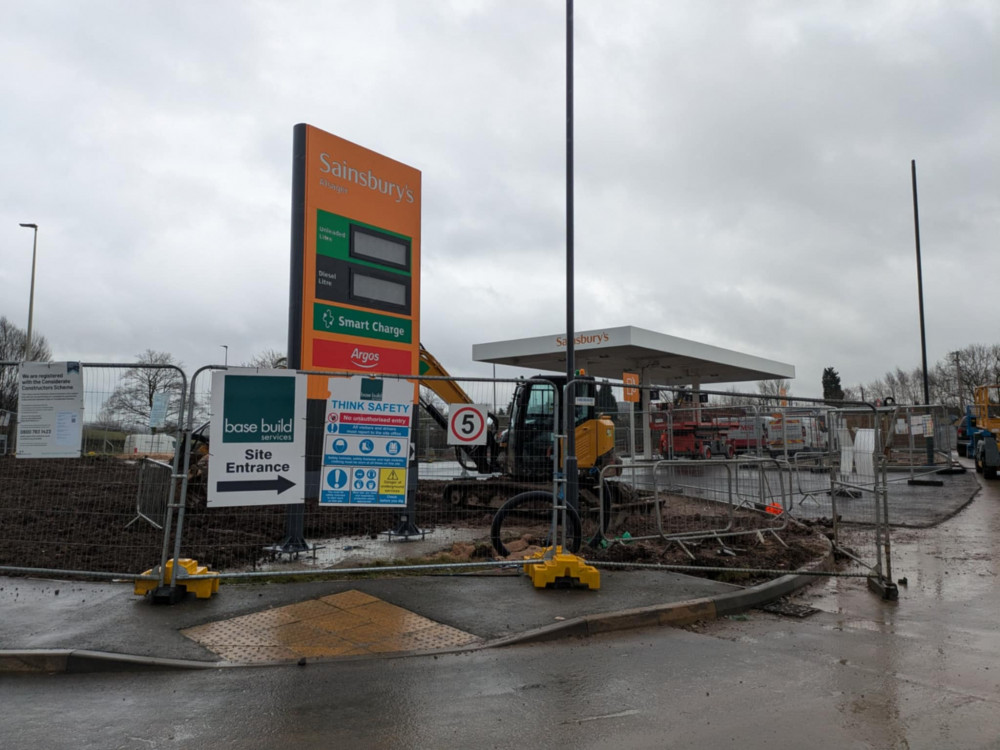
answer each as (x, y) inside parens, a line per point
(467, 426)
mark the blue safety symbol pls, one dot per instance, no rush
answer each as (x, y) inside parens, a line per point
(337, 479)
(371, 485)
(367, 446)
(393, 447)
(339, 445)
(359, 483)
(372, 473)
(331, 428)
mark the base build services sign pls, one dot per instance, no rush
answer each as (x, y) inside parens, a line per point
(50, 410)
(366, 445)
(258, 446)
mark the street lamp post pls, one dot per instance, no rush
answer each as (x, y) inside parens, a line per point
(920, 294)
(31, 296)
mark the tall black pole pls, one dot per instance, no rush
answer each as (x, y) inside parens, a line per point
(920, 295)
(569, 464)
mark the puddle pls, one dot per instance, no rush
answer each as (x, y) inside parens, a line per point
(345, 552)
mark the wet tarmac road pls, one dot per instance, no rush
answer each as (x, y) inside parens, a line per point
(920, 672)
(923, 672)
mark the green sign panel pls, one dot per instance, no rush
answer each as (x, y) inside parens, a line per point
(259, 410)
(333, 239)
(369, 325)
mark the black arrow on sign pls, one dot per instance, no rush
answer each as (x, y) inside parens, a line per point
(255, 485)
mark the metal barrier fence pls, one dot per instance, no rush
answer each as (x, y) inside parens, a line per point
(79, 514)
(819, 463)
(452, 497)
(765, 466)
(920, 440)
(685, 502)
(8, 422)
(153, 494)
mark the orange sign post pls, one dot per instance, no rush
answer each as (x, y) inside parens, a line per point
(355, 286)
(354, 297)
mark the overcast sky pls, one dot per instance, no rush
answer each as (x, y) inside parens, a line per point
(742, 170)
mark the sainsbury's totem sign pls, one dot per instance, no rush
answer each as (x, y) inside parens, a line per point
(355, 302)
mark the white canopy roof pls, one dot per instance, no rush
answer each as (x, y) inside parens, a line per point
(658, 358)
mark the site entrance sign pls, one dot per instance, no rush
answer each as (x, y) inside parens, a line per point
(355, 291)
(258, 438)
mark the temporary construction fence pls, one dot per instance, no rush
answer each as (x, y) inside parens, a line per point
(684, 502)
(452, 493)
(820, 464)
(689, 504)
(768, 467)
(102, 512)
(152, 496)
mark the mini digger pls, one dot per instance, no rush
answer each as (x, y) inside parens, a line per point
(524, 450)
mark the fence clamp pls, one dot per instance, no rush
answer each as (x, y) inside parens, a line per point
(562, 570)
(202, 588)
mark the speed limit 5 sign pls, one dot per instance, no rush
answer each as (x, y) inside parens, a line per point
(467, 424)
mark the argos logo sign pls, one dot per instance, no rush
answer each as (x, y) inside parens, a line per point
(344, 355)
(364, 358)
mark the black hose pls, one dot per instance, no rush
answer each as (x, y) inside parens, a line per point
(575, 533)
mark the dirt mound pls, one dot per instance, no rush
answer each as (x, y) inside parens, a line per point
(81, 515)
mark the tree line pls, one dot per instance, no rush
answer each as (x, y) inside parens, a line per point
(951, 381)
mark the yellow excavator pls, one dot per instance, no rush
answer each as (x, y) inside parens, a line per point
(525, 449)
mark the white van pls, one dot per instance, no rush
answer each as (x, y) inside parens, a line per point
(794, 434)
(136, 445)
(748, 434)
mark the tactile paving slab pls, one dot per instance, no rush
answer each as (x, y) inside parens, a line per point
(350, 623)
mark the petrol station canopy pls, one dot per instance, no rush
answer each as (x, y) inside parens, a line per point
(657, 358)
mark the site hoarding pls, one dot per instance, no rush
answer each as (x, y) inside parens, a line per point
(258, 431)
(50, 410)
(355, 258)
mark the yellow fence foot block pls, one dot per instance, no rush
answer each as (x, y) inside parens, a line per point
(202, 588)
(563, 570)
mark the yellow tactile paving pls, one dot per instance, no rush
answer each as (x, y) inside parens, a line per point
(346, 624)
(348, 599)
(337, 622)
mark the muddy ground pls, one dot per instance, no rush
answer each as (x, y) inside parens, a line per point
(81, 515)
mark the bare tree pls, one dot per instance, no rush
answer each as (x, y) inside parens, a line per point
(774, 391)
(951, 381)
(12, 341)
(132, 401)
(979, 365)
(731, 398)
(269, 359)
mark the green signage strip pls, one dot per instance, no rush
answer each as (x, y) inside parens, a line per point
(333, 239)
(369, 325)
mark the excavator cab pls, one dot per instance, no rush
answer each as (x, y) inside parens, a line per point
(524, 449)
(535, 421)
